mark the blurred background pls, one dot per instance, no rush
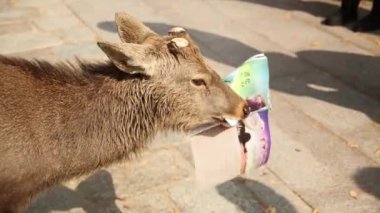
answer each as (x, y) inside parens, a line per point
(325, 90)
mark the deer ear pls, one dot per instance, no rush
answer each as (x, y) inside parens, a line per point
(131, 30)
(130, 58)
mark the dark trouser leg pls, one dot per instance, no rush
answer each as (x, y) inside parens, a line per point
(347, 13)
(370, 22)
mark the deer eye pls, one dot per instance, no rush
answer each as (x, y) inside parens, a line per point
(198, 82)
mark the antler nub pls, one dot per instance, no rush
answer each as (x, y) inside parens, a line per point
(180, 42)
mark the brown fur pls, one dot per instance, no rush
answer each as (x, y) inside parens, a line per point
(59, 121)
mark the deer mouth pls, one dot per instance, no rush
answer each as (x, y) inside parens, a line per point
(226, 121)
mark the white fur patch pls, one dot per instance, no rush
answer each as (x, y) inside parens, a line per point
(232, 122)
(177, 30)
(180, 42)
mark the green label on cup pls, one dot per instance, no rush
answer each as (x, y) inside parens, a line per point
(252, 78)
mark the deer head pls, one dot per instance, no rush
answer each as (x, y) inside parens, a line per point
(176, 62)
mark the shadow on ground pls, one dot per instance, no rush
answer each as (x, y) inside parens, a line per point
(95, 194)
(316, 8)
(357, 71)
(251, 196)
(368, 179)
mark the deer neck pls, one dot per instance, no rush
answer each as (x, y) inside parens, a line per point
(116, 121)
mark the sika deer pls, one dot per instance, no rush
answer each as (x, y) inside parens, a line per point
(59, 121)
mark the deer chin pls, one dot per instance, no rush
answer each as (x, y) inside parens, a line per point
(199, 127)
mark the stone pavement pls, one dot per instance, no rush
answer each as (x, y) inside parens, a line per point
(325, 93)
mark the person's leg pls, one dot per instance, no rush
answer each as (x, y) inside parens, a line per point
(347, 13)
(370, 22)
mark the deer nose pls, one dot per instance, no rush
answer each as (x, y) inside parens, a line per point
(246, 110)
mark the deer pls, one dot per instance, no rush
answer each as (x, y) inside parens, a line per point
(63, 120)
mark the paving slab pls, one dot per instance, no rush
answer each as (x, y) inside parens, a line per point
(84, 50)
(192, 198)
(40, 54)
(272, 192)
(94, 193)
(331, 52)
(78, 34)
(54, 9)
(312, 13)
(21, 42)
(335, 53)
(224, 42)
(331, 164)
(330, 103)
(158, 201)
(356, 70)
(20, 27)
(34, 3)
(123, 187)
(57, 22)
(295, 34)
(99, 15)
(3, 4)
(17, 14)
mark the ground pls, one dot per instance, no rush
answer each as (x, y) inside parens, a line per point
(325, 90)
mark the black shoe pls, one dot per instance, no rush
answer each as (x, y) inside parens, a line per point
(338, 18)
(367, 24)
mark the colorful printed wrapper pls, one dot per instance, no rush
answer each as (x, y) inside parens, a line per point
(251, 82)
